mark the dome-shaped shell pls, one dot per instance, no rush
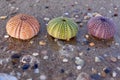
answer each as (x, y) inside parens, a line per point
(22, 26)
(62, 28)
(101, 27)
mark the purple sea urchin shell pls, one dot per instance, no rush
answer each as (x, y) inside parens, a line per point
(101, 27)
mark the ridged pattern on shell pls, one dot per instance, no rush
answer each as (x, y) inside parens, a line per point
(22, 26)
(62, 28)
(101, 27)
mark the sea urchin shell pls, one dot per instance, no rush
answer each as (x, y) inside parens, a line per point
(62, 28)
(22, 26)
(101, 27)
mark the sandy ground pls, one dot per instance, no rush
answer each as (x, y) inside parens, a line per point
(54, 68)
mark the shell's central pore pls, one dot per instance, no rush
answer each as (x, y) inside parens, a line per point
(103, 19)
(23, 18)
(63, 20)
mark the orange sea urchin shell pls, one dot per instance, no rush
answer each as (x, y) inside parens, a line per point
(22, 26)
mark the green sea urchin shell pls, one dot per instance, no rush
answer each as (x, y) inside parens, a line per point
(62, 28)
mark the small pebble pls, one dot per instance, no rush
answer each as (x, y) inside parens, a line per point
(96, 77)
(17, 9)
(15, 56)
(105, 55)
(116, 8)
(46, 19)
(6, 36)
(35, 54)
(86, 36)
(89, 9)
(45, 36)
(44, 52)
(118, 68)
(66, 13)
(88, 49)
(99, 73)
(79, 67)
(14, 52)
(96, 14)
(36, 71)
(113, 59)
(62, 71)
(115, 14)
(103, 74)
(3, 17)
(35, 66)
(4, 49)
(92, 44)
(76, 2)
(25, 66)
(31, 42)
(76, 16)
(97, 59)
(78, 21)
(68, 48)
(110, 11)
(83, 76)
(15, 61)
(65, 60)
(43, 77)
(27, 59)
(90, 15)
(114, 74)
(117, 44)
(107, 70)
(55, 40)
(94, 71)
(46, 7)
(42, 43)
(77, 58)
(85, 42)
(79, 62)
(81, 24)
(81, 53)
(45, 57)
(12, 8)
(86, 17)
